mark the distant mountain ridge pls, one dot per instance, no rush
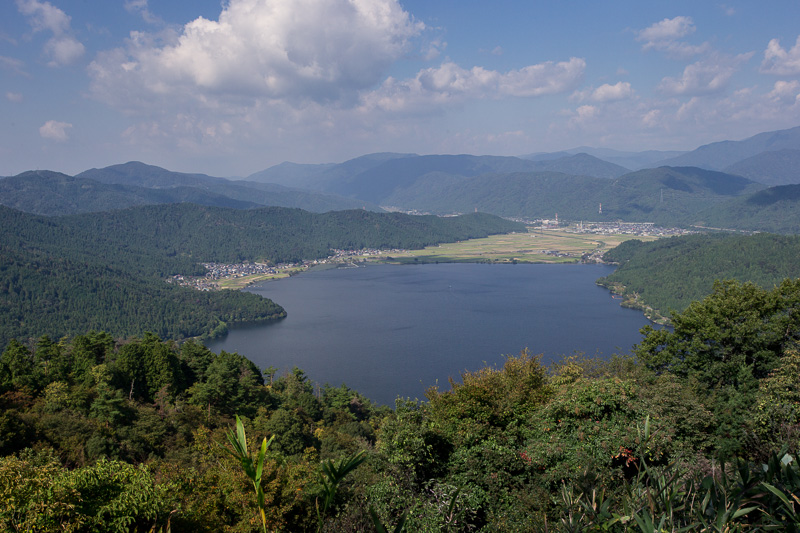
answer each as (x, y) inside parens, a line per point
(664, 195)
(131, 184)
(627, 160)
(51, 193)
(779, 167)
(579, 184)
(719, 155)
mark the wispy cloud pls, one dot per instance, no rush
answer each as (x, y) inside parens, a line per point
(62, 48)
(14, 65)
(142, 8)
(707, 76)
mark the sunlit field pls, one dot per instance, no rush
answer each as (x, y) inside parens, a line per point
(535, 246)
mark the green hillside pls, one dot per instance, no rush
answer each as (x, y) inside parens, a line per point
(668, 196)
(668, 274)
(697, 433)
(51, 193)
(776, 209)
(63, 275)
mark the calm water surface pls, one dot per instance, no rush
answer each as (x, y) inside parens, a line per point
(389, 331)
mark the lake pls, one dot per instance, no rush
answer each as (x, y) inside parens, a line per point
(394, 330)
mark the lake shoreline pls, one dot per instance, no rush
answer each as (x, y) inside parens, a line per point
(377, 325)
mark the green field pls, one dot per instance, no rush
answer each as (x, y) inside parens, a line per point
(535, 246)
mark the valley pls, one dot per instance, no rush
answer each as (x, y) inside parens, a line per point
(371, 266)
(85, 259)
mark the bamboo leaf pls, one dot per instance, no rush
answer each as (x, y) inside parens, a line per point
(777, 492)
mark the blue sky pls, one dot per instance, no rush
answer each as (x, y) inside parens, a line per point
(234, 87)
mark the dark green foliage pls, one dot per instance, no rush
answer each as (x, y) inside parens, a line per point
(774, 209)
(231, 383)
(585, 445)
(668, 274)
(105, 271)
(727, 343)
(732, 496)
(59, 297)
(333, 473)
(739, 325)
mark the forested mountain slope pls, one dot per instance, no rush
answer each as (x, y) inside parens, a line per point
(776, 209)
(147, 434)
(666, 195)
(63, 275)
(51, 193)
(131, 184)
(668, 274)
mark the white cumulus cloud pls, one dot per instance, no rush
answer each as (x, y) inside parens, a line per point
(62, 48)
(665, 36)
(55, 130)
(317, 50)
(786, 92)
(780, 61)
(621, 90)
(450, 83)
(608, 93)
(666, 30)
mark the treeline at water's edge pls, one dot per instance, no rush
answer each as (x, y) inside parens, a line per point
(696, 430)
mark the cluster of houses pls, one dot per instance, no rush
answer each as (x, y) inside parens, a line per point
(642, 229)
(219, 271)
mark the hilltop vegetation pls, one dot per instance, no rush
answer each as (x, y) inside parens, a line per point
(668, 274)
(101, 435)
(131, 184)
(106, 271)
(776, 209)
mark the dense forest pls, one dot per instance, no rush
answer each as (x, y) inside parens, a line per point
(106, 271)
(668, 274)
(698, 431)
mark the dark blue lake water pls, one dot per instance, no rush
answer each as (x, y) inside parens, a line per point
(389, 331)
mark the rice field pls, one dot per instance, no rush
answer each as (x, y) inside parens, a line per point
(534, 246)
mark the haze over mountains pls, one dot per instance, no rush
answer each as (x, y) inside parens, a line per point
(747, 184)
(50, 193)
